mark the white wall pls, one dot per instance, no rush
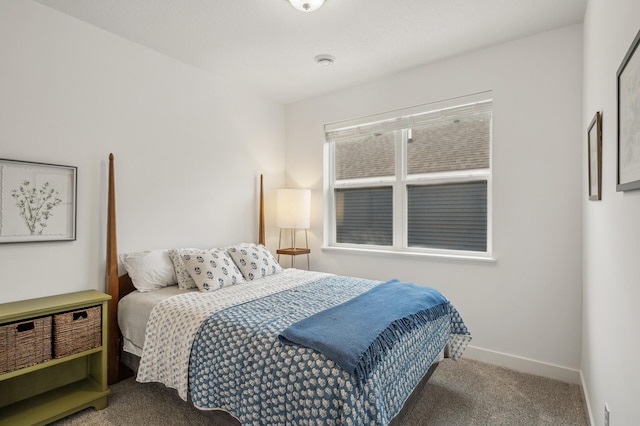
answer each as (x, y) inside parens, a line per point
(189, 147)
(611, 343)
(527, 304)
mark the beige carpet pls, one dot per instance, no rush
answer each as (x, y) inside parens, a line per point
(459, 393)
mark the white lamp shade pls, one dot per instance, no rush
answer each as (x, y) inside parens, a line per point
(294, 208)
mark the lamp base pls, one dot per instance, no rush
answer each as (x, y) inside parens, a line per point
(294, 251)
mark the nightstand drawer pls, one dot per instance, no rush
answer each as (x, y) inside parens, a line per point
(77, 331)
(25, 343)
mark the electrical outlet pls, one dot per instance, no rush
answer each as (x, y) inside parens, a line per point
(606, 414)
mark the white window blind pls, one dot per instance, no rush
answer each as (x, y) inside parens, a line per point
(347, 130)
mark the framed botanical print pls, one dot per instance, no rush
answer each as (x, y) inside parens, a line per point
(37, 202)
(628, 77)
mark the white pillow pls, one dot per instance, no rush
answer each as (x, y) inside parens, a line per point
(212, 270)
(254, 261)
(185, 282)
(149, 270)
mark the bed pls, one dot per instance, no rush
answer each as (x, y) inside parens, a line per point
(225, 350)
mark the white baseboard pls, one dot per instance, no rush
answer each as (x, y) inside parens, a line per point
(525, 365)
(586, 400)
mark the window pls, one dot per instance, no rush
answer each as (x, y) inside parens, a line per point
(413, 181)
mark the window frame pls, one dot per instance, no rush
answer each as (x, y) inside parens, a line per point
(400, 182)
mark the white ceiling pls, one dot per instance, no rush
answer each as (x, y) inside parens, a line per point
(270, 45)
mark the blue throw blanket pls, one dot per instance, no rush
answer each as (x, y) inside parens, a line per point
(359, 332)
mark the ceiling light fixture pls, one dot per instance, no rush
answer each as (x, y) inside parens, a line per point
(306, 5)
(325, 60)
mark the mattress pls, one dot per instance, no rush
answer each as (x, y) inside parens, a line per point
(133, 313)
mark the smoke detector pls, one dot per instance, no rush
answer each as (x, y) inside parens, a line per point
(325, 60)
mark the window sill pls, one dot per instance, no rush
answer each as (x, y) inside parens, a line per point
(483, 258)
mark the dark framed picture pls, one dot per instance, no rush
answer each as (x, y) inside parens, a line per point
(37, 202)
(628, 78)
(594, 141)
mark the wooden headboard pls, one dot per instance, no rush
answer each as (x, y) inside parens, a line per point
(119, 286)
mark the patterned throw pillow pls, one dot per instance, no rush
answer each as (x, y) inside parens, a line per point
(212, 270)
(254, 261)
(185, 282)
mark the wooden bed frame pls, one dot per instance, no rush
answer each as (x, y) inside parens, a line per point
(119, 286)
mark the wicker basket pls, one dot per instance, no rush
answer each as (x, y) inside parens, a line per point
(77, 331)
(25, 343)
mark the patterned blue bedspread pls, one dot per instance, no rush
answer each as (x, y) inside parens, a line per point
(238, 364)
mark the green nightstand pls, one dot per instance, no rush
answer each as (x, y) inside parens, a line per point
(51, 390)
